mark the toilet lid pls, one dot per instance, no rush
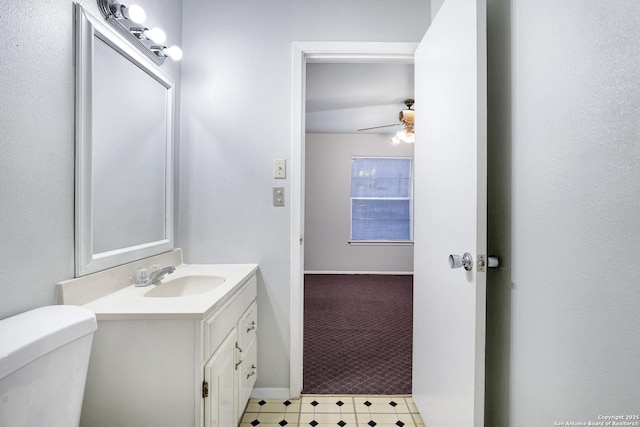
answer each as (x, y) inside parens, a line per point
(30, 335)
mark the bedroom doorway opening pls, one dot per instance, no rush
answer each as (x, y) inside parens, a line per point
(358, 294)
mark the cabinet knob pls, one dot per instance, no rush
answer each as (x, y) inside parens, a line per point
(252, 326)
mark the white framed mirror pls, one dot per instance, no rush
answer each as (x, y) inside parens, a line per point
(124, 150)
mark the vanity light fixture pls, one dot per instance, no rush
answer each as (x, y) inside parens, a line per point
(133, 13)
(127, 21)
(173, 52)
(156, 34)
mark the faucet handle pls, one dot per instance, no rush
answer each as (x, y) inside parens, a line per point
(142, 275)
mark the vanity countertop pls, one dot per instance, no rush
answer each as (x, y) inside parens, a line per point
(129, 302)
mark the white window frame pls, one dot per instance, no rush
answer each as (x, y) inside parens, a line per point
(409, 241)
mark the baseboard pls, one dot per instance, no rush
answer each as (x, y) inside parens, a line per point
(395, 273)
(270, 393)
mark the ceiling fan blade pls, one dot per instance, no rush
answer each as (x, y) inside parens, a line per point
(378, 127)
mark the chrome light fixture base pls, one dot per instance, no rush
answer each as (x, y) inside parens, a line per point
(110, 10)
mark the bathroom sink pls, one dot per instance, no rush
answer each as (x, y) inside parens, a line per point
(185, 286)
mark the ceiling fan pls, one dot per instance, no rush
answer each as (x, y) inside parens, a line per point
(406, 117)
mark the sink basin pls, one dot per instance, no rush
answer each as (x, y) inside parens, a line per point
(185, 286)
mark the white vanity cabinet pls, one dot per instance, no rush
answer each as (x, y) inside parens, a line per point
(231, 352)
(173, 368)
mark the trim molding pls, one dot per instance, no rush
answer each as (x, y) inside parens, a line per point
(271, 393)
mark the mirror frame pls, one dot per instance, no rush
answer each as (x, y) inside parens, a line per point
(87, 28)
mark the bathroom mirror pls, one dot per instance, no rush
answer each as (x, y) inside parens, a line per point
(124, 150)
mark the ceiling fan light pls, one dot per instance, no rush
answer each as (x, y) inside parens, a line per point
(404, 135)
(408, 116)
(410, 138)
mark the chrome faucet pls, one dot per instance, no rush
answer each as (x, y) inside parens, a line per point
(144, 277)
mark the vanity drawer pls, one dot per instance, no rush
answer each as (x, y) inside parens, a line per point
(248, 325)
(218, 326)
(249, 372)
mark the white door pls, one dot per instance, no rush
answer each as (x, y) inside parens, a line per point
(450, 216)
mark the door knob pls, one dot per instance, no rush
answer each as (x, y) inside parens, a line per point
(457, 261)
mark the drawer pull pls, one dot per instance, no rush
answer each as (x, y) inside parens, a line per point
(250, 374)
(252, 326)
(239, 351)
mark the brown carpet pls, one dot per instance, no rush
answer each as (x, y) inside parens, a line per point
(358, 332)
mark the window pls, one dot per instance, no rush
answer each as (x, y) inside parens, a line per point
(381, 199)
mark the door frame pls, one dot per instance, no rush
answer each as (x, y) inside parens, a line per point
(304, 53)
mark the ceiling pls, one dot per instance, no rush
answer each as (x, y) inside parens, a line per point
(342, 98)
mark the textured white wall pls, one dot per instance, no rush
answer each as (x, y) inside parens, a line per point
(564, 169)
(327, 205)
(37, 144)
(564, 181)
(237, 119)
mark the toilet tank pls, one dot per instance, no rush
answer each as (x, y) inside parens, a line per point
(44, 355)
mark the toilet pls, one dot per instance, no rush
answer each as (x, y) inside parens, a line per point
(44, 355)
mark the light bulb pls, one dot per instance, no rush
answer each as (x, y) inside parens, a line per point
(395, 140)
(173, 52)
(134, 13)
(411, 138)
(156, 35)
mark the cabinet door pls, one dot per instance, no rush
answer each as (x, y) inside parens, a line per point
(220, 374)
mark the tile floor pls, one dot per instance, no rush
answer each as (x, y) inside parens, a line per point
(333, 410)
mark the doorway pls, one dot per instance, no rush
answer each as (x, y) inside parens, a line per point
(332, 52)
(358, 294)
(451, 71)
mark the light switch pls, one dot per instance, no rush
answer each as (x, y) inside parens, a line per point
(279, 168)
(278, 196)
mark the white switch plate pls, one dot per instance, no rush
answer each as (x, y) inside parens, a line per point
(279, 168)
(278, 196)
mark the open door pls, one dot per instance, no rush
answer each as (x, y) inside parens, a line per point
(450, 216)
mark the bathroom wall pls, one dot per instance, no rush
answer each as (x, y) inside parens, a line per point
(563, 173)
(564, 199)
(327, 206)
(37, 144)
(237, 76)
